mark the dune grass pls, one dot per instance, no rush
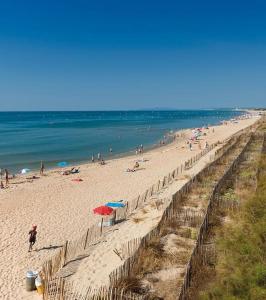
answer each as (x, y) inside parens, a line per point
(241, 266)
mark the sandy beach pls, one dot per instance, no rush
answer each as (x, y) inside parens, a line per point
(62, 208)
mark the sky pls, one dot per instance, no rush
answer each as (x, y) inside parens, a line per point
(116, 55)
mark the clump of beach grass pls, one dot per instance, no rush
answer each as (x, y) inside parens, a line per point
(131, 284)
(144, 210)
(137, 220)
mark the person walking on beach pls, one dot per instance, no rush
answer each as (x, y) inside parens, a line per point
(190, 146)
(6, 177)
(42, 168)
(206, 145)
(92, 158)
(32, 238)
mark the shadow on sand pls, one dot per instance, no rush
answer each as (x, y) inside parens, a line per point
(49, 248)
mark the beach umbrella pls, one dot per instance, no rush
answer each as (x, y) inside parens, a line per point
(62, 164)
(103, 210)
(25, 171)
(115, 204)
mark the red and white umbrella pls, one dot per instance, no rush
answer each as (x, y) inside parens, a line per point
(103, 210)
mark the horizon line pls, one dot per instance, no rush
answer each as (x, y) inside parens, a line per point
(140, 109)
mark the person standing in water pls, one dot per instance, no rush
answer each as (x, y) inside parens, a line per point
(99, 156)
(92, 158)
(6, 177)
(42, 168)
(32, 238)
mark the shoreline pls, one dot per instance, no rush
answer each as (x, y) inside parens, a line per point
(169, 133)
(168, 141)
(130, 154)
(62, 209)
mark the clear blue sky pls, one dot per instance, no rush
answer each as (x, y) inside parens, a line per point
(83, 55)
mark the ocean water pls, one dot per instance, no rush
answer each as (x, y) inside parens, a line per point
(26, 138)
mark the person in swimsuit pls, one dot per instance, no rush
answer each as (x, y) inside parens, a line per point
(6, 177)
(99, 156)
(32, 238)
(136, 165)
(42, 168)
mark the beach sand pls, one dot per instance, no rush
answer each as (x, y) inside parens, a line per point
(62, 209)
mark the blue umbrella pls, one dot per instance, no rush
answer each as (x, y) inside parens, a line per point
(62, 164)
(115, 204)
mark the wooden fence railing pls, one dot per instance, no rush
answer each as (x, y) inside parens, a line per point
(171, 212)
(73, 248)
(197, 256)
(55, 287)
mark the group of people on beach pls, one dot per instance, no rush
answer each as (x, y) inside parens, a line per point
(4, 175)
(139, 149)
(190, 146)
(100, 159)
(194, 139)
(136, 166)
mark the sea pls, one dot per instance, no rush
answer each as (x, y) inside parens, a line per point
(26, 138)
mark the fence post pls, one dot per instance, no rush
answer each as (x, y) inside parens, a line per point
(86, 238)
(138, 202)
(62, 286)
(101, 226)
(151, 191)
(158, 186)
(126, 208)
(65, 253)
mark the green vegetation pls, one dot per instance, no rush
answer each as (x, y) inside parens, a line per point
(241, 248)
(230, 195)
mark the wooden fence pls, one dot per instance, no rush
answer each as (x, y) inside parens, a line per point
(71, 249)
(199, 256)
(170, 213)
(57, 288)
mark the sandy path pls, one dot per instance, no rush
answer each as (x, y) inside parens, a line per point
(62, 208)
